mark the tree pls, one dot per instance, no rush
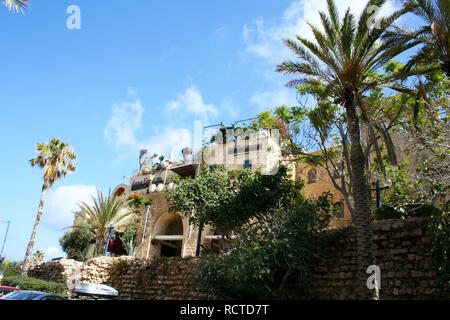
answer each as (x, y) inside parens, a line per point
(76, 242)
(433, 38)
(56, 158)
(38, 257)
(343, 60)
(17, 5)
(104, 212)
(229, 199)
(274, 257)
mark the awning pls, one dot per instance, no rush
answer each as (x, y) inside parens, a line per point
(186, 170)
(174, 237)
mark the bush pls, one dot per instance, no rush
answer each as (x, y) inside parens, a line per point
(386, 212)
(75, 243)
(411, 210)
(12, 278)
(273, 258)
(28, 283)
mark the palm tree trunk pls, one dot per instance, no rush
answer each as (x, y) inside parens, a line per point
(362, 207)
(29, 251)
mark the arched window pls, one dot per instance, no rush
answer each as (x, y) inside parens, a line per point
(120, 192)
(339, 210)
(312, 176)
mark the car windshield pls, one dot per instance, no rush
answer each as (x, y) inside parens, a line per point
(20, 295)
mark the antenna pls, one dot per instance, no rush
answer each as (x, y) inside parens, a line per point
(236, 122)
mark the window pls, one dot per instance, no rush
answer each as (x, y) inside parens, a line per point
(312, 176)
(247, 164)
(339, 210)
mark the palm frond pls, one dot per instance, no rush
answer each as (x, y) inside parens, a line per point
(18, 6)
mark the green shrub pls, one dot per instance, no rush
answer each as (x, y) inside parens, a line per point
(386, 212)
(28, 283)
(272, 259)
(408, 211)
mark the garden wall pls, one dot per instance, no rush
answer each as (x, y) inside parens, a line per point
(402, 253)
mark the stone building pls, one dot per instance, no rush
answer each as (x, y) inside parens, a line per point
(170, 234)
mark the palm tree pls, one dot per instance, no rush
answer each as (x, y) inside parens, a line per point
(17, 5)
(57, 159)
(434, 36)
(104, 212)
(344, 59)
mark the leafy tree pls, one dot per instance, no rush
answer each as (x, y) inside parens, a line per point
(76, 243)
(229, 199)
(38, 256)
(343, 59)
(104, 212)
(273, 258)
(56, 158)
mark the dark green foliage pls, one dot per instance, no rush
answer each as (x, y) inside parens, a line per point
(228, 199)
(439, 232)
(75, 243)
(12, 278)
(385, 213)
(408, 211)
(273, 258)
(28, 283)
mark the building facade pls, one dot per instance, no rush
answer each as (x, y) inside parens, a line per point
(170, 234)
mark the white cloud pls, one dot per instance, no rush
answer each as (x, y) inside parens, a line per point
(60, 203)
(266, 41)
(191, 101)
(126, 118)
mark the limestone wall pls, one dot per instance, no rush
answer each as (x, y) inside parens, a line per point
(402, 253)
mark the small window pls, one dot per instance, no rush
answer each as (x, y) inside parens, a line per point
(312, 176)
(339, 210)
(247, 164)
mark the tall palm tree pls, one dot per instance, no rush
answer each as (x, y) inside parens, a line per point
(434, 36)
(104, 212)
(57, 159)
(343, 58)
(17, 5)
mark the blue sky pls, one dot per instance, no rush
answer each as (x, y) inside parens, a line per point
(136, 75)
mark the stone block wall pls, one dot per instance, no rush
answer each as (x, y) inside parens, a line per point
(402, 253)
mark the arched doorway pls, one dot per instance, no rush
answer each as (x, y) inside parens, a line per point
(168, 235)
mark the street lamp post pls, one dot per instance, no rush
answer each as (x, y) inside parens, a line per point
(378, 191)
(110, 229)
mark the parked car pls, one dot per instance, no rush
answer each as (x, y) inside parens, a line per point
(95, 291)
(31, 295)
(5, 290)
